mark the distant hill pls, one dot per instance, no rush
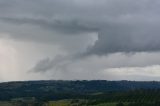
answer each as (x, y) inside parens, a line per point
(59, 89)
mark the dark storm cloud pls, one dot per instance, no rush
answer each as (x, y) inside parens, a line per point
(122, 26)
(127, 38)
(62, 26)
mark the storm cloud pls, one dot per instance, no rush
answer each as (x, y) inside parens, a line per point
(122, 26)
(65, 36)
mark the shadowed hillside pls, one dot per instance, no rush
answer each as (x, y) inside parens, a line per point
(56, 89)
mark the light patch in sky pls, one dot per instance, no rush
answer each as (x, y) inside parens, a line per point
(133, 73)
(8, 61)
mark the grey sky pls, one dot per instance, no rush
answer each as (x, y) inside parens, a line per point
(79, 39)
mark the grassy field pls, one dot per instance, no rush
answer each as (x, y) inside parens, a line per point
(59, 103)
(79, 103)
(67, 103)
(107, 104)
(111, 104)
(5, 104)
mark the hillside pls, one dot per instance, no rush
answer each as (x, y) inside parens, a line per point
(58, 89)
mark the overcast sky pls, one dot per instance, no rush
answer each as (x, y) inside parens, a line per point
(79, 39)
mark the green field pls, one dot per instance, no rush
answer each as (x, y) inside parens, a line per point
(77, 102)
(60, 103)
(6, 103)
